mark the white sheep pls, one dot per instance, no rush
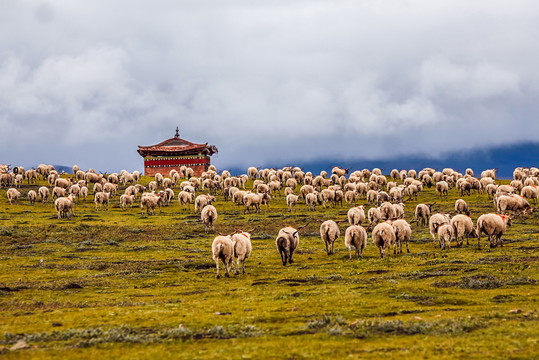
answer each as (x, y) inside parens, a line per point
(356, 236)
(43, 193)
(329, 232)
(374, 216)
(242, 249)
(356, 215)
(383, 236)
(291, 201)
(65, 206)
(126, 200)
(311, 199)
(32, 196)
(185, 198)
(445, 233)
(403, 233)
(12, 195)
(84, 192)
(150, 201)
(462, 226)
(442, 188)
(435, 222)
(208, 215)
(100, 199)
(223, 249)
(461, 207)
(422, 213)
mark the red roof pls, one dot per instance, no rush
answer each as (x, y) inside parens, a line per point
(177, 146)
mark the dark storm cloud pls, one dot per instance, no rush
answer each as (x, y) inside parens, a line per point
(85, 82)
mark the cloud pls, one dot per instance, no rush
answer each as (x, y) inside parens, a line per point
(265, 82)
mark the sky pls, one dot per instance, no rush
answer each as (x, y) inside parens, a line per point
(267, 82)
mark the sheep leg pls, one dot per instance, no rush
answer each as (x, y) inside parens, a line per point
(349, 253)
(290, 260)
(243, 266)
(407, 249)
(217, 266)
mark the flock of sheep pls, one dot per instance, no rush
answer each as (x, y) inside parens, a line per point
(386, 195)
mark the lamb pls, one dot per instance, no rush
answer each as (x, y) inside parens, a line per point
(422, 213)
(445, 233)
(461, 207)
(12, 195)
(185, 198)
(403, 233)
(150, 201)
(383, 236)
(356, 236)
(494, 225)
(223, 249)
(242, 249)
(64, 206)
(356, 215)
(101, 198)
(329, 232)
(43, 193)
(208, 215)
(287, 241)
(462, 226)
(291, 201)
(126, 200)
(435, 222)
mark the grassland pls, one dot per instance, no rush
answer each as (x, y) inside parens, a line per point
(115, 284)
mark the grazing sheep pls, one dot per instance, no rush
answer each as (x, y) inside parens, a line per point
(422, 213)
(374, 216)
(84, 192)
(31, 176)
(445, 233)
(356, 215)
(291, 201)
(287, 241)
(208, 216)
(126, 200)
(435, 222)
(32, 196)
(329, 232)
(490, 189)
(185, 198)
(158, 179)
(494, 225)
(12, 195)
(252, 200)
(43, 193)
(110, 188)
(58, 192)
(530, 192)
(252, 172)
(356, 236)
(288, 191)
(388, 211)
(223, 249)
(442, 188)
(152, 186)
(462, 226)
(311, 199)
(65, 206)
(461, 207)
(383, 236)
(150, 201)
(74, 190)
(101, 198)
(515, 203)
(350, 197)
(403, 233)
(242, 249)
(169, 196)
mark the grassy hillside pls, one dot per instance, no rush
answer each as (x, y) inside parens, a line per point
(115, 284)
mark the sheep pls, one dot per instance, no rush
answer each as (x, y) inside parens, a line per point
(64, 206)
(329, 232)
(31, 176)
(286, 242)
(238, 197)
(403, 233)
(242, 249)
(494, 225)
(374, 216)
(356, 236)
(12, 195)
(350, 197)
(513, 203)
(311, 200)
(203, 200)
(58, 192)
(97, 188)
(252, 172)
(43, 193)
(84, 192)
(422, 213)
(222, 249)
(185, 198)
(461, 207)
(150, 201)
(490, 189)
(152, 186)
(442, 188)
(110, 188)
(291, 201)
(101, 198)
(275, 186)
(530, 192)
(462, 226)
(356, 215)
(169, 196)
(292, 183)
(208, 215)
(288, 191)
(32, 196)
(388, 211)
(126, 200)
(158, 179)
(383, 236)
(252, 200)
(445, 233)
(435, 222)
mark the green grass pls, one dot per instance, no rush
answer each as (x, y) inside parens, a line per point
(115, 284)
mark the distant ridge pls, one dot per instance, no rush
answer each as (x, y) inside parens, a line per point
(504, 158)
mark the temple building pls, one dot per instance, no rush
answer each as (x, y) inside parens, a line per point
(174, 153)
